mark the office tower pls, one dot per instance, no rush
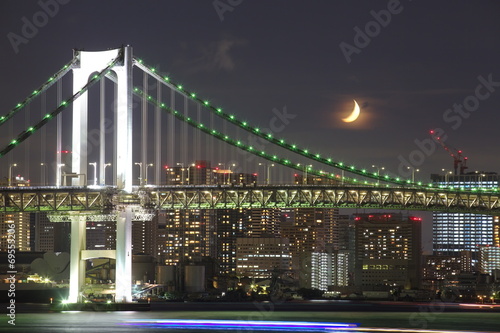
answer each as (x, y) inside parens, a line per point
(261, 257)
(231, 224)
(189, 234)
(50, 236)
(144, 237)
(489, 259)
(309, 230)
(201, 173)
(264, 222)
(331, 269)
(388, 250)
(20, 233)
(101, 235)
(457, 232)
(445, 267)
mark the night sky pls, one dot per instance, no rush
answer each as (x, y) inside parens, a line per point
(411, 65)
(407, 70)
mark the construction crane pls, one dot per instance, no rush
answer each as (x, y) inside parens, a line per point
(459, 161)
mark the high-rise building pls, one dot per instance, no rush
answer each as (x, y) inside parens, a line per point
(388, 251)
(20, 233)
(50, 236)
(309, 230)
(144, 237)
(260, 257)
(189, 234)
(101, 235)
(330, 269)
(457, 232)
(444, 267)
(231, 224)
(489, 259)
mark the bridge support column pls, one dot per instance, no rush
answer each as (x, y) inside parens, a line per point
(124, 256)
(77, 265)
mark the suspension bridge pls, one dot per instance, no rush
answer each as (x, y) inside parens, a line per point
(64, 143)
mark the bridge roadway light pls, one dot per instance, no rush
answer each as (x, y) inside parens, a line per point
(95, 171)
(447, 173)
(413, 170)
(378, 172)
(104, 173)
(188, 168)
(182, 172)
(306, 167)
(140, 172)
(44, 174)
(147, 167)
(268, 177)
(230, 172)
(58, 180)
(10, 173)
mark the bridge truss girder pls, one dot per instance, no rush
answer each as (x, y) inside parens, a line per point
(323, 197)
(226, 197)
(31, 199)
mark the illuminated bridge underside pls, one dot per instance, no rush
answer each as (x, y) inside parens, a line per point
(327, 197)
(226, 197)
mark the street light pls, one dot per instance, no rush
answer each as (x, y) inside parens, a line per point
(95, 171)
(188, 169)
(224, 174)
(147, 166)
(140, 172)
(230, 172)
(58, 176)
(10, 173)
(182, 172)
(268, 176)
(104, 173)
(378, 172)
(306, 167)
(413, 173)
(447, 173)
(44, 174)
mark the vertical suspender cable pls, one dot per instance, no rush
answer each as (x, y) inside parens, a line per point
(210, 141)
(197, 143)
(171, 131)
(144, 156)
(11, 135)
(26, 148)
(157, 166)
(58, 128)
(43, 142)
(184, 135)
(224, 158)
(102, 131)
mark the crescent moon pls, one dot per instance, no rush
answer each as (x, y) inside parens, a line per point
(354, 114)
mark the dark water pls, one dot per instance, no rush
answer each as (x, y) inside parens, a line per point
(155, 321)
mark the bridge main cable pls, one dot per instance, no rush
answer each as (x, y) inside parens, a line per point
(269, 136)
(46, 85)
(32, 129)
